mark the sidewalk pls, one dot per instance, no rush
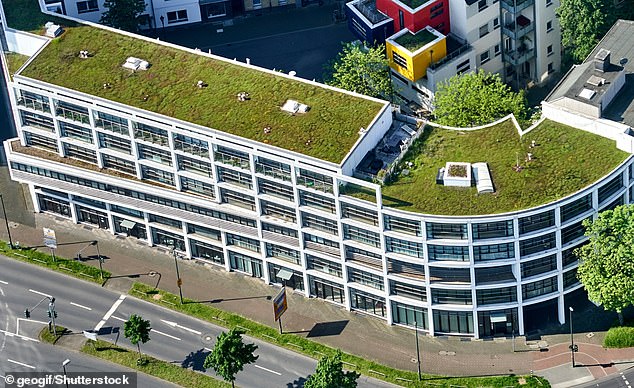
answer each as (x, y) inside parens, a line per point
(359, 334)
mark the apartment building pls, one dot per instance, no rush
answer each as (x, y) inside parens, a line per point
(520, 40)
(256, 172)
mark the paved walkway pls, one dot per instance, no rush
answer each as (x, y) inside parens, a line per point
(359, 334)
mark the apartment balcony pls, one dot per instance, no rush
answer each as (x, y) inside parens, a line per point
(517, 57)
(521, 27)
(516, 6)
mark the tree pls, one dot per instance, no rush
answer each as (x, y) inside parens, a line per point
(606, 267)
(230, 355)
(361, 70)
(584, 22)
(137, 330)
(330, 374)
(476, 98)
(123, 14)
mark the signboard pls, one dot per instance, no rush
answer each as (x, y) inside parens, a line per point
(279, 304)
(49, 238)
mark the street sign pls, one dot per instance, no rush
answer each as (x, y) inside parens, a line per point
(90, 335)
(49, 238)
(279, 304)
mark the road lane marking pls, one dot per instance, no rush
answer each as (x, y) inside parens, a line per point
(209, 350)
(118, 319)
(176, 325)
(9, 334)
(165, 334)
(20, 363)
(40, 293)
(80, 306)
(3, 282)
(268, 370)
(114, 308)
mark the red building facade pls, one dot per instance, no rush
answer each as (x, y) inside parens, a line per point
(434, 13)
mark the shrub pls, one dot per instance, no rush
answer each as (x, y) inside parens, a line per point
(619, 337)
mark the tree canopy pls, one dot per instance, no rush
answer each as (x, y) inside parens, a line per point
(330, 374)
(476, 98)
(230, 355)
(123, 14)
(137, 331)
(584, 22)
(606, 267)
(362, 70)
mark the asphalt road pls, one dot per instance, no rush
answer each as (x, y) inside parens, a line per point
(624, 379)
(175, 337)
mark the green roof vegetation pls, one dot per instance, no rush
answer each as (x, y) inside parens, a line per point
(413, 42)
(328, 131)
(15, 61)
(565, 160)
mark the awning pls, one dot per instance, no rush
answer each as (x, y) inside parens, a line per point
(127, 224)
(285, 274)
(497, 317)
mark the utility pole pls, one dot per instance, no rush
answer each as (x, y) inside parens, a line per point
(179, 281)
(417, 350)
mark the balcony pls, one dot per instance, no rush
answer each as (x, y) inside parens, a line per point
(516, 6)
(517, 57)
(521, 27)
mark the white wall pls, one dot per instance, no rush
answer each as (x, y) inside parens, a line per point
(23, 42)
(543, 14)
(162, 8)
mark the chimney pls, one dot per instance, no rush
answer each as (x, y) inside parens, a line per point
(602, 60)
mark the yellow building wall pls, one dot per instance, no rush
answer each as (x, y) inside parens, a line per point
(417, 64)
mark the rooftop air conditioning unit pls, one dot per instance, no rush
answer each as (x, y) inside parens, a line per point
(133, 63)
(53, 30)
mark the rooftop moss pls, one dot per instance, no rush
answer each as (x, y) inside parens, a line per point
(15, 61)
(564, 161)
(328, 131)
(413, 42)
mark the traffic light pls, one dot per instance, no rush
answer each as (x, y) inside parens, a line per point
(55, 314)
(27, 314)
(49, 313)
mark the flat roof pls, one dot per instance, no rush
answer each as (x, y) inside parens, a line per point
(328, 131)
(413, 41)
(564, 161)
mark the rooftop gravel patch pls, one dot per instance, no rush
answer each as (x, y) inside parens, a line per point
(413, 42)
(565, 160)
(169, 87)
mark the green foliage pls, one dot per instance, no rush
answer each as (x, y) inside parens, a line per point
(230, 354)
(584, 22)
(137, 331)
(619, 337)
(163, 370)
(361, 70)
(330, 374)
(123, 14)
(476, 98)
(606, 267)
(51, 338)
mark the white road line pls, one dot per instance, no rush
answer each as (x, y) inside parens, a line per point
(20, 363)
(3, 282)
(114, 308)
(176, 325)
(209, 350)
(268, 370)
(9, 334)
(118, 319)
(167, 335)
(80, 306)
(40, 293)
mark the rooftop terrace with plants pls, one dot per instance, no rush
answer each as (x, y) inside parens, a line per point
(413, 42)
(169, 87)
(564, 161)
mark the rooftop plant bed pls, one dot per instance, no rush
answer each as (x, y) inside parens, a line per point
(565, 160)
(413, 42)
(169, 87)
(15, 61)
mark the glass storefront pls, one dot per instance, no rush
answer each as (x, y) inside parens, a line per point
(167, 239)
(246, 264)
(497, 323)
(368, 303)
(324, 289)
(206, 252)
(296, 282)
(130, 228)
(93, 217)
(54, 205)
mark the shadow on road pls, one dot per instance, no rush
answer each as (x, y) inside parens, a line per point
(196, 360)
(267, 297)
(298, 383)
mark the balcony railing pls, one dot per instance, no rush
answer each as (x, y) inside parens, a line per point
(516, 6)
(42, 106)
(450, 57)
(514, 31)
(518, 57)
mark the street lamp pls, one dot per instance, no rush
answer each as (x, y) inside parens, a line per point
(179, 281)
(573, 347)
(417, 350)
(66, 362)
(96, 244)
(6, 221)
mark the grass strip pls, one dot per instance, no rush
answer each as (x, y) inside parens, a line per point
(71, 267)
(48, 337)
(164, 370)
(317, 350)
(619, 337)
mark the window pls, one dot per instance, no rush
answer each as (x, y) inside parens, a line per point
(37, 121)
(257, 4)
(493, 252)
(549, 50)
(448, 253)
(497, 50)
(368, 303)
(549, 3)
(150, 134)
(278, 211)
(81, 153)
(453, 321)
(537, 244)
(538, 288)
(243, 242)
(402, 268)
(606, 191)
(572, 232)
(33, 140)
(198, 187)
(191, 145)
(404, 247)
(236, 178)
(165, 221)
(325, 289)
(496, 23)
(359, 214)
(576, 208)
(570, 278)
(155, 154)
(232, 157)
(482, 5)
(365, 278)
(403, 225)
(536, 222)
(323, 265)
(156, 175)
(72, 112)
(364, 258)
(401, 19)
(437, 13)
(499, 274)
(449, 275)
(273, 169)
(413, 316)
(275, 189)
(177, 16)
(446, 231)
(75, 132)
(87, 6)
(320, 223)
(314, 180)
(296, 281)
(246, 264)
(118, 164)
(237, 199)
(484, 57)
(399, 60)
(551, 68)
(203, 231)
(549, 26)
(499, 229)
(317, 201)
(539, 266)
(361, 235)
(496, 295)
(462, 67)
(112, 123)
(115, 143)
(441, 296)
(484, 30)
(276, 229)
(194, 165)
(406, 290)
(283, 253)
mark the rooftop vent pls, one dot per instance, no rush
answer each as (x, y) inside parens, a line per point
(587, 93)
(133, 63)
(596, 81)
(292, 106)
(602, 60)
(53, 30)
